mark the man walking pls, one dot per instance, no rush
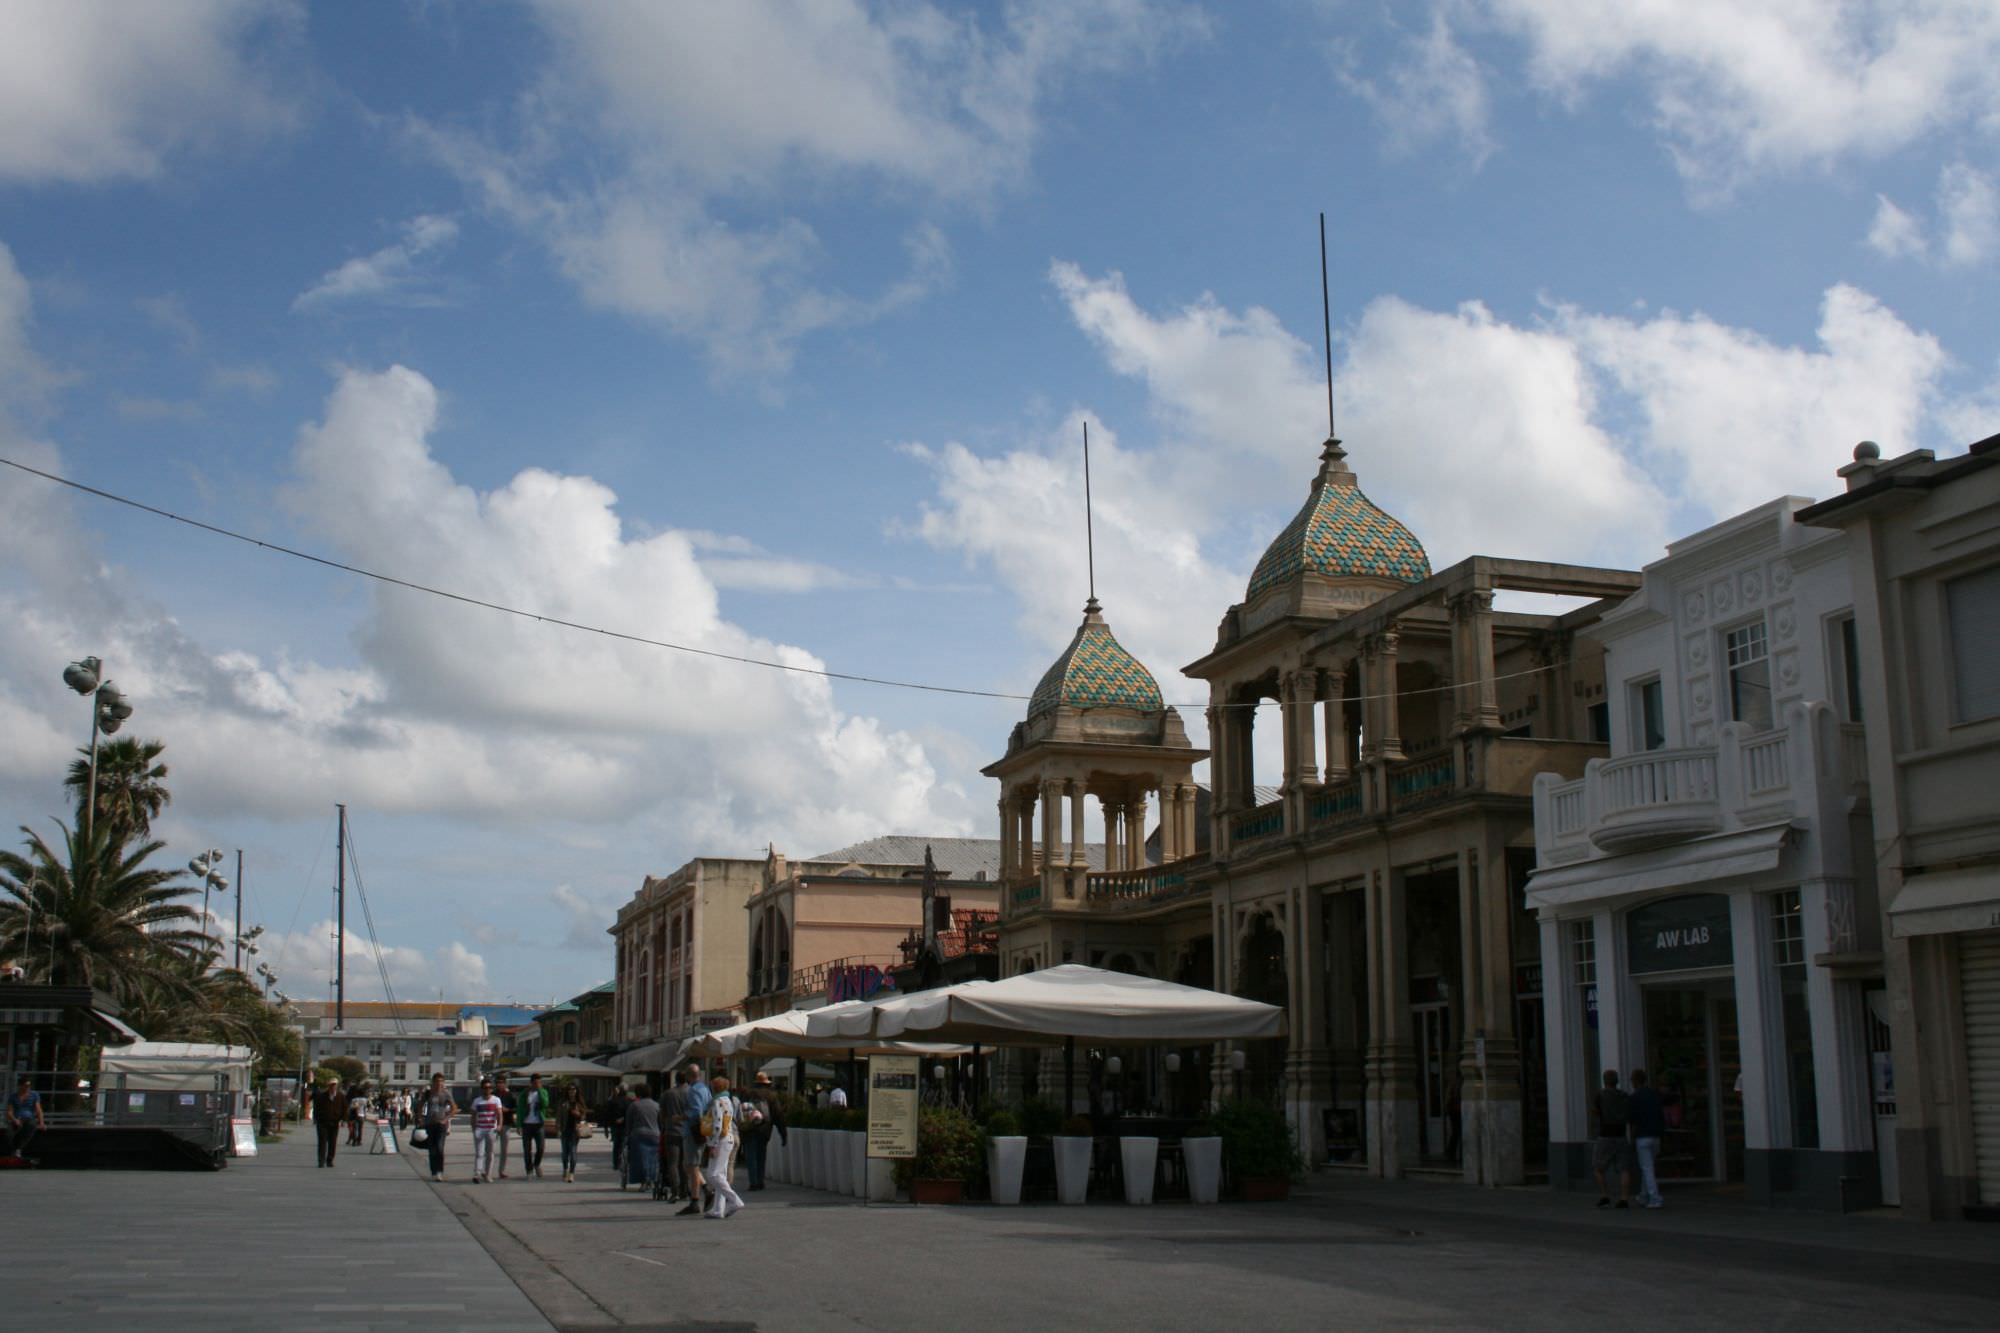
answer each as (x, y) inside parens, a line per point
(506, 1119)
(699, 1097)
(329, 1108)
(488, 1113)
(532, 1115)
(611, 1116)
(718, 1126)
(761, 1115)
(1612, 1155)
(1647, 1115)
(675, 1123)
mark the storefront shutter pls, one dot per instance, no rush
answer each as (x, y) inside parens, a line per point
(1979, 982)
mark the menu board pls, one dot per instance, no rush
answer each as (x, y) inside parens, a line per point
(892, 1105)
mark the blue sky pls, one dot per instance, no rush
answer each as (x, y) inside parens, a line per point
(770, 328)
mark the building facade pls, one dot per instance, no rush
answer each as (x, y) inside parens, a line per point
(401, 1045)
(1924, 545)
(681, 951)
(1705, 895)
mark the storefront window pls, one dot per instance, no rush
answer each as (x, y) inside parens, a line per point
(1788, 955)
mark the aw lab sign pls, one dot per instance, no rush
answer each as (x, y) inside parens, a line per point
(1679, 934)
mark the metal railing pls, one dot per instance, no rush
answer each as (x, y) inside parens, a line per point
(1266, 821)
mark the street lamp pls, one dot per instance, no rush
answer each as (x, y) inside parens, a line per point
(107, 714)
(208, 869)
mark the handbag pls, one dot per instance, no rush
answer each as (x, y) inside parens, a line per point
(420, 1137)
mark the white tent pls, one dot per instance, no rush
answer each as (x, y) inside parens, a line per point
(176, 1066)
(1036, 1008)
(563, 1066)
(786, 1034)
(660, 1055)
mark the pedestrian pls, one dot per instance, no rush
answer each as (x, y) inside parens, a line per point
(570, 1115)
(506, 1124)
(677, 1120)
(533, 1111)
(837, 1099)
(1612, 1156)
(761, 1116)
(488, 1114)
(718, 1132)
(436, 1111)
(24, 1117)
(1647, 1115)
(357, 1107)
(611, 1117)
(642, 1138)
(329, 1109)
(699, 1095)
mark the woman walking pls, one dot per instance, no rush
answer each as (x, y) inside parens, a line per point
(570, 1115)
(437, 1111)
(718, 1132)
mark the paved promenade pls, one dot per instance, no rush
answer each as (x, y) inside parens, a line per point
(272, 1242)
(276, 1243)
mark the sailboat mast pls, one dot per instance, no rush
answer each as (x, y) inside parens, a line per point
(340, 924)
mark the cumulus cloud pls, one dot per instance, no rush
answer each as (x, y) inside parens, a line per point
(304, 963)
(392, 275)
(1734, 90)
(99, 90)
(1895, 234)
(651, 126)
(1435, 91)
(1967, 225)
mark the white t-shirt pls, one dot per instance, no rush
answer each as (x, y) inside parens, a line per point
(485, 1113)
(838, 1097)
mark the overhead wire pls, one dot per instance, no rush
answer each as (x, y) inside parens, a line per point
(624, 636)
(374, 940)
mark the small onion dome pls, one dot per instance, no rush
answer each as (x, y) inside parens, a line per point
(1095, 671)
(1340, 534)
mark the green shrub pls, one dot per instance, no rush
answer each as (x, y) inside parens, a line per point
(854, 1120)
(948, 1148)
(1077, 1126)
(1040, 1119)
(1002, 1124)
(1257, 1140)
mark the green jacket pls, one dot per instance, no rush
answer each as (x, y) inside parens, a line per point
(521, 1106)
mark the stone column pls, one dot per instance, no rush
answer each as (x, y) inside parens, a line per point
(1113, 813)
(1758, 1016)
(1051, 818)
(1007, 843)
(1333, 687)
(1392, 1083)
(1392, 736)
(1135, 832)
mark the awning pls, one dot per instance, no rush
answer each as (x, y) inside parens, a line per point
(660, 1055)
(124, 1032)
(1946, 901)
(1699, 861)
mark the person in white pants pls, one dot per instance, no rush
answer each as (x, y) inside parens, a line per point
(486, 1118)
(718, 1129)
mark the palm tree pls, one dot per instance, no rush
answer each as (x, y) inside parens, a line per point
(95, 915)
(131, 784)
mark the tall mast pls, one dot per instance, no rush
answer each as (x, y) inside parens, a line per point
(239, 909)
(340, 923)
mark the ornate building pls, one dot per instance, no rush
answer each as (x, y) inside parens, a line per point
(1378, 895)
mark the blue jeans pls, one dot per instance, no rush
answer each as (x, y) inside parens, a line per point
(569, 1153)
(1649, 1185)
(642, 1161)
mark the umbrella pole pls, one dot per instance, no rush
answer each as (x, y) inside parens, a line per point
(1069, 1077)
(978, 1078)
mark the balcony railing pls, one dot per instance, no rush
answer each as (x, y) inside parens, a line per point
(1334, 805)
(1423, 781)
(1151, 884)
(1746, 779)
(1266, 821)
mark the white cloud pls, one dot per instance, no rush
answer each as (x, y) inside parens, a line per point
(584, 919)
(392, 274)
(1437, 91)
(691, 118)
(1739, 89)
(1894, 233)
(97, 90)
(1969, 207)
(304, 963)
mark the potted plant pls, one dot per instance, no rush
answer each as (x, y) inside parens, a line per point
(1006, 1156)
(1201, 1150)
(947, 1157)
(1259, 1149)
(1072, 1149)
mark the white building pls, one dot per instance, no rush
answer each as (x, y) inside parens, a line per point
(1706, 895)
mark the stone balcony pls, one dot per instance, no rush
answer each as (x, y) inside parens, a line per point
(1746, 779)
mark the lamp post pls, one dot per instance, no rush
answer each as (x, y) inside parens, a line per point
(208, 869)
(108, 712)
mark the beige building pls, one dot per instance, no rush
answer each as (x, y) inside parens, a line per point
(1924, 547)
(1378, 896)
(681, 952)
(832, 927)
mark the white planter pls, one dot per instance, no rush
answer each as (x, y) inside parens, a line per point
(841, 1162)
(809, 1158)
(857, 1163)
(1141, 1156)
(1005, 1158)
(822, 1160)
(1072, 1167)
(1204, 1168)
(774, 1160)
(881, 1173)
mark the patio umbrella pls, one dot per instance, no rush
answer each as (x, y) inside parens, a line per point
(1069, 1001)
(786, 1034)
(563, 1066)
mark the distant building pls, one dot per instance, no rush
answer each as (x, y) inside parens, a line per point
(401, 1044)
(582, 1027)
(681, 949)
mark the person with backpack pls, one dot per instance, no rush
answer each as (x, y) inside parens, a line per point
(719, 1138)
(762, 1115)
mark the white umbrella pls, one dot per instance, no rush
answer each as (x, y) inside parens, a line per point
(1086, 1003)
(563, 1066)
(786, 1034)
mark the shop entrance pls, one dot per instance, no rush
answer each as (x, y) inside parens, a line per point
(1437, 1057)
(1694, 1060)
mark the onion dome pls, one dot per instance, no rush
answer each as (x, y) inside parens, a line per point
(1095, 671)
(1340, 534)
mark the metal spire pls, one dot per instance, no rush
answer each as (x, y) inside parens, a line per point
(1089, 539)
(1326, 329)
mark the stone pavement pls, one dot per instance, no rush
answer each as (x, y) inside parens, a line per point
(1347, 1253)
(271, 1242)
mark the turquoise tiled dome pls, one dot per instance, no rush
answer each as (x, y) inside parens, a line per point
(1095, 671)
(1341, 534)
